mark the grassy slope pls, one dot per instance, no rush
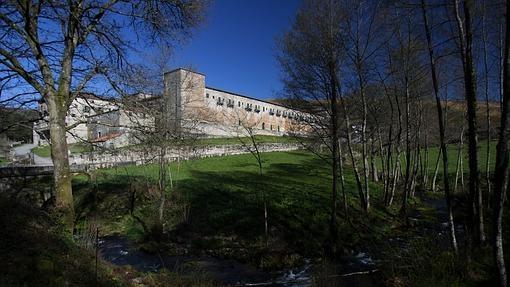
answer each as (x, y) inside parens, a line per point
(227, 216)
(225, 198)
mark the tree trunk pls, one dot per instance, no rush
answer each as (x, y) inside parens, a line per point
(436, 171)
(333, 230)
(364, 155)
(389, 149)
(407, 182)
(157, 230)
(501, 169)
(395, 179)
(459, 161)
(444, 150)
(351, 153)
(487, 107)
(373, 167)
(415, 171)
(425, 179)
(64, 205)
(466, 46)
(381, 155)
(342, 179)
(264, 198)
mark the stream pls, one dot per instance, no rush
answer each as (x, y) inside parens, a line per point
(356, 270)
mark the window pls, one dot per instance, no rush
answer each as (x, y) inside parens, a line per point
(213, 97)
(73, 115)
(263, 126)
(238, 103)
(278, 128)
(86, 109)
(271, 127)
(98, 134)
(239, 122)
(207, 95)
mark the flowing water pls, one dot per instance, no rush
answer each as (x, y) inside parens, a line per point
(357, 270)
(353, 270)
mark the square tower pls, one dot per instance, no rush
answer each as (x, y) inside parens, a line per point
(183, 99)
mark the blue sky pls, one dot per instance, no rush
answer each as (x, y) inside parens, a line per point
(235, 48)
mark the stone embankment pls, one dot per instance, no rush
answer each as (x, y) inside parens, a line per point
(139, 156)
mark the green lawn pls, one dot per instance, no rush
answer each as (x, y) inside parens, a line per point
(225, 196)
(452, 157)
(453, 153)
(45, 150)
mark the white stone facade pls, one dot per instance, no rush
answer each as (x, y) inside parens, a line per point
(222, 113)
(187, 103)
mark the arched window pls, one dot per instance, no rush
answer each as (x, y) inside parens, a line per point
(278, 128)
(263, 126)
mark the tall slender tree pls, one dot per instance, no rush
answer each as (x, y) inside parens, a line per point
(465, 42)
(439, 108)
(501, 169)
(310, 57)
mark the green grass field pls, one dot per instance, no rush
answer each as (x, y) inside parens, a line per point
(453, 150)
(225, 196)
(45, 150)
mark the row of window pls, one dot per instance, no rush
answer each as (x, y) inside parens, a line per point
(255, 108)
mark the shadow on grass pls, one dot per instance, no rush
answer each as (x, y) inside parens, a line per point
(35, 252)
(230, 203)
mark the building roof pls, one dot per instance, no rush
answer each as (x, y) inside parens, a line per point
(184, 69)
(92, 96)
(106, 137)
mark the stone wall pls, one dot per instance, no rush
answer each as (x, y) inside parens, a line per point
(122, 157)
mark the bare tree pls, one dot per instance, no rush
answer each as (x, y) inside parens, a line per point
(310, 57)
(442, 140)
(247, 136)
(502, 155)
(162, 126)
(465, 42)
(56, 48)
(366, 35)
